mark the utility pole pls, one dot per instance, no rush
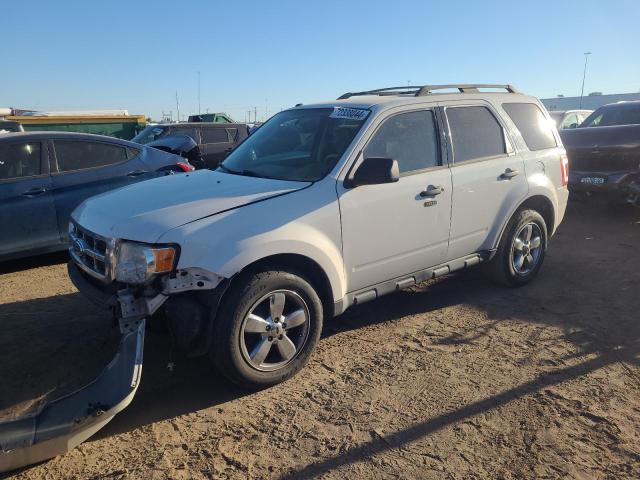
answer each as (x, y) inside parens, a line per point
(584, 75)
(199, 111)
(255, 114)
(178, 106)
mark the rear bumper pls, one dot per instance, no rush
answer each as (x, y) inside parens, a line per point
(61, 425)
(611, 182)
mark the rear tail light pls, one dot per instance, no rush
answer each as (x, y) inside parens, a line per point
(564, 169)
(186, 167)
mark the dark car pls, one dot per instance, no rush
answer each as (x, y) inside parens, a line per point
(215, 140)
(7, 126)
(604, 151)
(45, 175)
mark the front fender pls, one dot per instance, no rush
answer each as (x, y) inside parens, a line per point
(305, 223)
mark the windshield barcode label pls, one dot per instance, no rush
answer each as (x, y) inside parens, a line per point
(349, 113)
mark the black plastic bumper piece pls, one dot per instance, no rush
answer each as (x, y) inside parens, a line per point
(100, 297)
(62, 424)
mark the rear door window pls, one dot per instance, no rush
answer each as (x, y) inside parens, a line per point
(535, 128)
(75, 155)
(214, 135)
(475, 133)
(18, 160)
(410, 139)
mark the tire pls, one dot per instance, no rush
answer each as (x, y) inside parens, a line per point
(504, 268)
(245, 328)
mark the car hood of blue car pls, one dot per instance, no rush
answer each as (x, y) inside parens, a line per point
(145, 210)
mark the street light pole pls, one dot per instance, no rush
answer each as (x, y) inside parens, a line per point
(584, 75)
(199, 111)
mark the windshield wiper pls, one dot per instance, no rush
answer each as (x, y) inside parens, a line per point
(246, 173)
(227, 169)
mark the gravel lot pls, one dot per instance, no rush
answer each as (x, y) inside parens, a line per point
(452, 379)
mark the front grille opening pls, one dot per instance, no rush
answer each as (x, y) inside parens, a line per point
(90, 250)
(100, 246)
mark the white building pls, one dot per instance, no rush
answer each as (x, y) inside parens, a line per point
(589, 102)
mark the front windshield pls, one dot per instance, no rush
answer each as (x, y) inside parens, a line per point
(300, 144)
(614, 115)
(149, 134)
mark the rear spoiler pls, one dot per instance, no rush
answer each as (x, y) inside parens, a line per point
(61, 425)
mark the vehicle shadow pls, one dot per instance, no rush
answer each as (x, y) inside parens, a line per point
(172, 385)
(17, 265)
(600, 345)
(594, 306)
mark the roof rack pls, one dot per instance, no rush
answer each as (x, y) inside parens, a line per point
(421, 91)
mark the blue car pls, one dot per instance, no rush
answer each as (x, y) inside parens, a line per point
(45, 175)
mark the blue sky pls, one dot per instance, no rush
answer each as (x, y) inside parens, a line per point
(58, 55)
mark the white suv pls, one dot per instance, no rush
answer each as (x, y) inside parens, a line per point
(326, 206)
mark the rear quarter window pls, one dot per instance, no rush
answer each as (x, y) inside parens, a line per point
(78, 155)
(533, 125)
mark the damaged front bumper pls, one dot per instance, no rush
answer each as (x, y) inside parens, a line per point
(61, 425)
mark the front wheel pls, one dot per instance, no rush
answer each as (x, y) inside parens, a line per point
(266, 328)
(521, 250)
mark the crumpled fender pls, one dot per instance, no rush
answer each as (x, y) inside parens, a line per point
(61, 425)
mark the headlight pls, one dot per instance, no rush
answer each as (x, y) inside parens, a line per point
(137, 263)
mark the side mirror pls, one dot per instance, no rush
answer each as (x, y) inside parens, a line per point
(375, 171)
(573, 125)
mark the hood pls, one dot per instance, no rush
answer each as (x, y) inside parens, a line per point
(146, 210)
(618, 136)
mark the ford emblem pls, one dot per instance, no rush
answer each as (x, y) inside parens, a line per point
(79, 246)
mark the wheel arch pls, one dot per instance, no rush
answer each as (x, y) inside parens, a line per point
(541, 204)
(295, 263)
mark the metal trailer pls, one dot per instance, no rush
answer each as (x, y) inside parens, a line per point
(120, 126)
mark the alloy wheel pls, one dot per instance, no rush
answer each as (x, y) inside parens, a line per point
(275, 330)
(526, 249)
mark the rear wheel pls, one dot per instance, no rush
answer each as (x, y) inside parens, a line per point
(267, 328)
(521, 250)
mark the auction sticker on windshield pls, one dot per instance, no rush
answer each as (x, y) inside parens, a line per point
(349, 113)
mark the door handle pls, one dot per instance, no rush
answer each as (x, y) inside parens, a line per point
(509, 173)
(135, 173)
(431, 191)
(33, 192)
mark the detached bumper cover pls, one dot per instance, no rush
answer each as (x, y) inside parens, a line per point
(62, 424)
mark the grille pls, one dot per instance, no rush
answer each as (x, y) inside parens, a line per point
(90, 252)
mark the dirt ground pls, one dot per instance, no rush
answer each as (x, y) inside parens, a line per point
(452, 379)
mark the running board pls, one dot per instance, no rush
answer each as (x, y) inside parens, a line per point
(399, 283)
